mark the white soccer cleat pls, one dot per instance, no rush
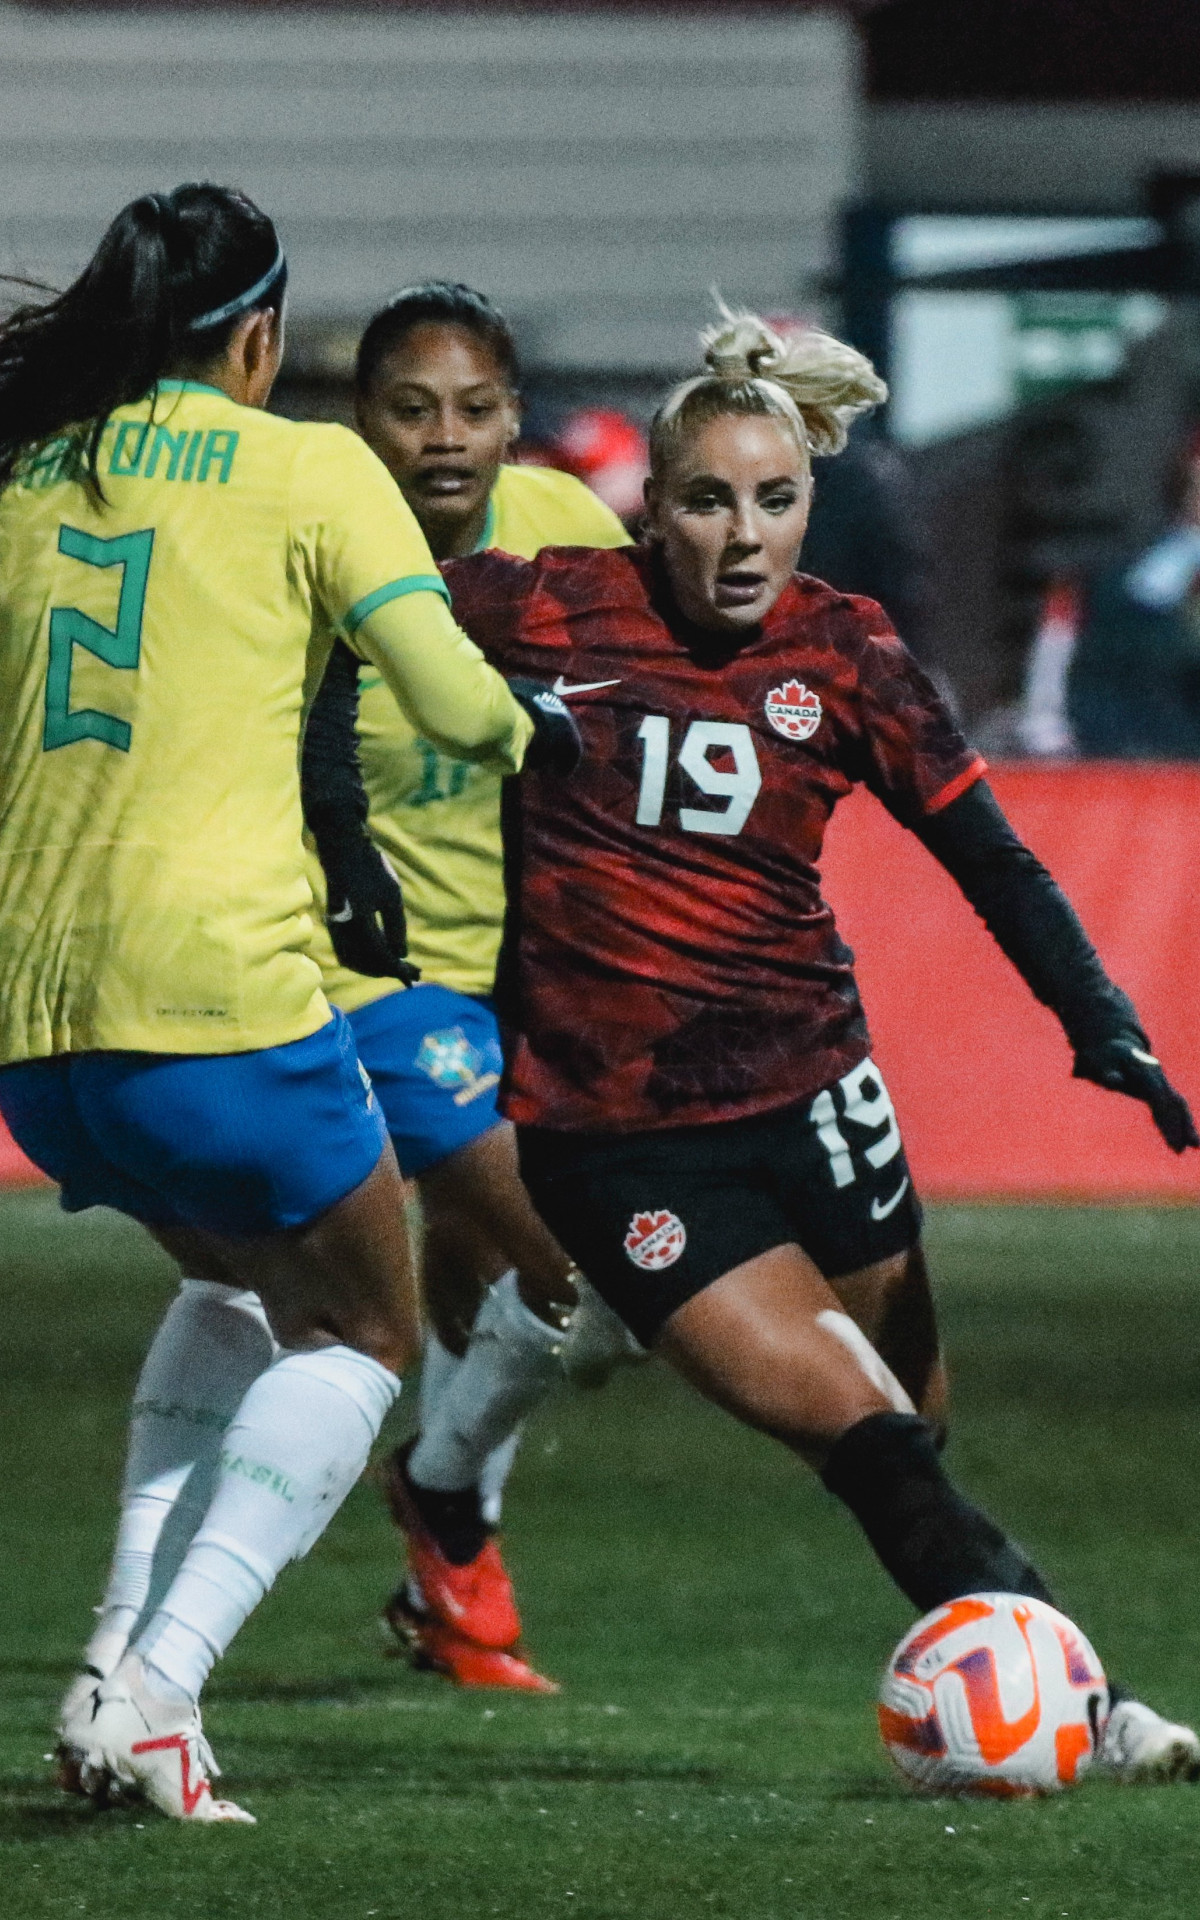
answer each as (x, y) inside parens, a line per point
(146, 1745)
(75, 1718)
(596, 1341)
(1142, 1749)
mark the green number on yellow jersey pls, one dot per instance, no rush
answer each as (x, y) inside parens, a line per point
(118, 646)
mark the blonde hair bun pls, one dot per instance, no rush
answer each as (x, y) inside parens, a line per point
(829, 383)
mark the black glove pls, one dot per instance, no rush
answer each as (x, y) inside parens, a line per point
(365, 908)
(556, 746)
(1124, 1065)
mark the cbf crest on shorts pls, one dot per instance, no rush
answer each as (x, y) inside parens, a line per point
(454, 1064)
(794, 710)
(655, 1240)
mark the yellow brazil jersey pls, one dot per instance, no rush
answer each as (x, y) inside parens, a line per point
(154, 653)
(438, 818)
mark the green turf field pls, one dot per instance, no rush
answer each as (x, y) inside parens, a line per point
(715, 1621)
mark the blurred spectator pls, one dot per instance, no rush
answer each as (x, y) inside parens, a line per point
(1042, 725)
(1114, 672)
(866, 534)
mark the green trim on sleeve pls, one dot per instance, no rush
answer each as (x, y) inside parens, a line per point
(395, 590)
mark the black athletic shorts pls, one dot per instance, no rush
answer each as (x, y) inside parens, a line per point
(653, 1218)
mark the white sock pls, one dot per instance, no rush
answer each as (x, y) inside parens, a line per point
(213, 1342)
(298, 1443)
(493, 1477)
(438, 1369)
(510, 1365)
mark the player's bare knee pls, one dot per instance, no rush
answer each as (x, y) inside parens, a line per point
(388, 1332)
(391, 1334)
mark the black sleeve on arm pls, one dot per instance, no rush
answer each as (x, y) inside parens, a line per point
(331, 782)
(364, 907)
(1028, 916)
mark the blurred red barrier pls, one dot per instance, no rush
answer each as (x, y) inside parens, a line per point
(15, 1169)
(980, 1073)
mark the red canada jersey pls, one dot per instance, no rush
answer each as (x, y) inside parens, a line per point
(668, 958)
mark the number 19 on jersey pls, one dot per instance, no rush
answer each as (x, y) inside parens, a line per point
(738, 786)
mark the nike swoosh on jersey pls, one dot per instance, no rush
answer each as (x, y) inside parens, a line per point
(562, 688)
(889, 1206)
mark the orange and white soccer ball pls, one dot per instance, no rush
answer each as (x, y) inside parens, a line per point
(993, 1694)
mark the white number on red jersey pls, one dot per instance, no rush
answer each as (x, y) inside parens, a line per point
(739, 788)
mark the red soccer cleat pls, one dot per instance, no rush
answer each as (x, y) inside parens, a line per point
(474, 1601)
(438, 1649)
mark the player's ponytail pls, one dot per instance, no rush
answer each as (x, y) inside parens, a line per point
(162, 292)
(815, 384)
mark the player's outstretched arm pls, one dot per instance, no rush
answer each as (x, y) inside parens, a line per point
(442, 683)
(1034, 923)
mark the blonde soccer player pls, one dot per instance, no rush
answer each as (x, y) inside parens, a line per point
(174, 564)
(698, 1114)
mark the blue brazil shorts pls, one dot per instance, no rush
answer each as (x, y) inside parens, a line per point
(435, 1062)
(236, 1143)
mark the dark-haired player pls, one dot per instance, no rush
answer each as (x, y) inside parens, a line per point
(689, 1069)
(175, 564)
(436, 397)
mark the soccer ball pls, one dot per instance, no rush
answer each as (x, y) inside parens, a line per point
(993, 1694)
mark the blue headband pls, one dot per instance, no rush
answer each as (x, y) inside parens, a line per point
(243, 302)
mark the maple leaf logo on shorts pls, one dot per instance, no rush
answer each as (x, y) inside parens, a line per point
(654, 1240)
(793, 710)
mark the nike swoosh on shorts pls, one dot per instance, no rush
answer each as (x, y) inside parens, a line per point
(889, 1206)
(340, 919)
(561, 687)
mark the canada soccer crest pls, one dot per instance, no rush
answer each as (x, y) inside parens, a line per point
(793, 710)
(655, 1240)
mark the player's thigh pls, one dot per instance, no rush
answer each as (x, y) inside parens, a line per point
(346, 1277)
(479, 1191)
(844, 1182)
(764, 1342)
(654, 1218)
(435, 1061)
(269, 1169)
(686, 1241)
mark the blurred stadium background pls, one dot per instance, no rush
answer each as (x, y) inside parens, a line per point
(1000, 202)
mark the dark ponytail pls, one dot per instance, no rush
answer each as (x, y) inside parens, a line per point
(167, 260)
(441, 303)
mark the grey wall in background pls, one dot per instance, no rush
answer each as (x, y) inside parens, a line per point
(1018, 156)
(594, 174)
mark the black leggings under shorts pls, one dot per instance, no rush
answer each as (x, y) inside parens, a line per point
(653, 1218)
